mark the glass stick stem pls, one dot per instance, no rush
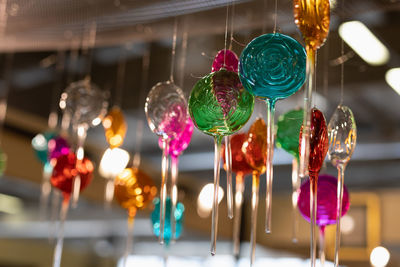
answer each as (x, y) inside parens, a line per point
(129, 239)
(229, 189)
(214, 223)
(109, 194)
(45, 191)
(339, 211)
(295, 195)
(174, 193)
(313, 217)
(269, 167)
(81, 133)
(163, 190)
(238, 213)
(60, 237)
(305, 139)
(254, 210)
(322, 245)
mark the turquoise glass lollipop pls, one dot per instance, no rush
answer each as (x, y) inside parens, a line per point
(219, 106)
(169, 232)
(272, 67)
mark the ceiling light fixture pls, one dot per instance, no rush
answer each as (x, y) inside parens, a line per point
(364, 43)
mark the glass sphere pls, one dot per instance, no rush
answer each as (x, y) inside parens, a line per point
(239, 163)
(115, 127)
(255, 147)
(40, 145)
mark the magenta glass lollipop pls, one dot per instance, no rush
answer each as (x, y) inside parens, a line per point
(226, 59)
(176, 147)
(326, 205)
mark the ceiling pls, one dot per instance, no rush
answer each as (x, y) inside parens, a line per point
(44, 38)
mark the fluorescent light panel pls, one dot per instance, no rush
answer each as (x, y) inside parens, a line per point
(364, 43)
(392, 77)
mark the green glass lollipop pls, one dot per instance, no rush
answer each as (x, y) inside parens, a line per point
(219, 106)
(287, 135)
(287, 138)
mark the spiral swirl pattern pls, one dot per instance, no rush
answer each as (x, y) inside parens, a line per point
(326, 200)
(273, 66)
(219, 105)
(166, 110)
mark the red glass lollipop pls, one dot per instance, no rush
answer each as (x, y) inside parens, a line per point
(241, 168)
(318, 148)
(66, 169)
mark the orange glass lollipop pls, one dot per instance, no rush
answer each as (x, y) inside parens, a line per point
(115, 127)
(133, 190)
(312, 17)
(255, 149)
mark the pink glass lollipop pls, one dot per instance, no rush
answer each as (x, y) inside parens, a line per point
(326, 204)
(228, 60)
(176, 147)
(166, 112)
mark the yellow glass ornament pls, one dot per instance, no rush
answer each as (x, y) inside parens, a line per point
(115, 127)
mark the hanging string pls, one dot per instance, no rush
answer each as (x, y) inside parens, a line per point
(60, 65)
(183, 56)
(139, 127)
(232, 25)
(171, 76)
(121, 76)
(89, 43)
(226, 31)
(275, 14)
(342, 65)
(265, 12)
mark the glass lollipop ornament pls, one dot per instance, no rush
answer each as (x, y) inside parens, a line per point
(174, 218)
(318, 149)
(65, 170)
(312, 17)
(255, 148)
(86, 105)
(326, 206)
(342, 132)
(166, 112)
(241, 168)
(272, 67)
(176, 147)
(40, 146)
(228, 60)
(219, 106)
(114, 159)
(134, 190)
(287, 138)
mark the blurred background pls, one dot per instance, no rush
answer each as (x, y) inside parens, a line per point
(48, 44)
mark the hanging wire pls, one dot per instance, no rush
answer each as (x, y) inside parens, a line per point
(56, 92)
(275, 14)
(121, 76)
(232, 25)
(88, 44)
(226, 31)
(265, 12)
(183, 55)
(142, 95)
(171, 76)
